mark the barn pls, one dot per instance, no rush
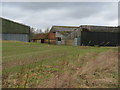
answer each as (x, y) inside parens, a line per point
(87, 35)
(58, 34)
(40, 38)
(14, 31)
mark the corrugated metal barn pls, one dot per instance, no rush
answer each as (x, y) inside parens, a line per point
(87, 35)
(58, 33)
(14, 31)
(102, 36)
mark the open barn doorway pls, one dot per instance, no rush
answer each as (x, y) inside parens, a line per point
(42, 41)
(58, 40)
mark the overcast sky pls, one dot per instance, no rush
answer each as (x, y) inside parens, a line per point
(43, 15)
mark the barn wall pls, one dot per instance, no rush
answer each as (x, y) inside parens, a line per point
(10, 27)
(99, 38)
(69, 42)
(46, 41)
(58, 34)
(17, 37)
(52, 41)
(52, 36)
(0, 28)
(77, 41)
(14, 31)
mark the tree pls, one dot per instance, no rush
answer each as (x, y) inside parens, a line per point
(32, 33)
(47, 30)
(40, 31)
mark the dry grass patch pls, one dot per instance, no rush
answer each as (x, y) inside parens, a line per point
(100, 71)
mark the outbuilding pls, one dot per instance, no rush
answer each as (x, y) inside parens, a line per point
(14, 31)
(40, 38)
(58, 34)
(87, 35)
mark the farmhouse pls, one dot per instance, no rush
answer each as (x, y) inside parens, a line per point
(57, 34)
(14, 31)
(41, 38)
(87, 35)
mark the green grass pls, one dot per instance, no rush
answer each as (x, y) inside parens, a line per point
(30, 53)
(18, 55)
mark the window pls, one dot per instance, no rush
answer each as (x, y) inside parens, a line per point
(59, 38)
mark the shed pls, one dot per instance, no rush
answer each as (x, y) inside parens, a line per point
(14, 31)
(88, 35)
(42, 38)
(58, 33)
(99, 35)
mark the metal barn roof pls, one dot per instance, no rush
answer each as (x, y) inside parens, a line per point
(63, 28)
(99, 28)
(12, 27)
(40, 36)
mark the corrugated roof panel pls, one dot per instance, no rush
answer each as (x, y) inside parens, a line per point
(63, 28)
(13, 27)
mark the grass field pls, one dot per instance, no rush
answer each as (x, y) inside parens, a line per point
(58, 66)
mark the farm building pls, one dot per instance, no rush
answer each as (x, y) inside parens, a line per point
(41, 38)
(14, 31)
(87, 35)
(58, 33)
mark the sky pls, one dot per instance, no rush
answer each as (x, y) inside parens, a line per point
(43, 15)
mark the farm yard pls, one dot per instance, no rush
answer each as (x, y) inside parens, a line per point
(35, 65)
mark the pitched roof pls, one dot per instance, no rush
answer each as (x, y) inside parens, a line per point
(12, 27)
(92, 28)
(14, 21)
(63, 28)
(40, 36)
